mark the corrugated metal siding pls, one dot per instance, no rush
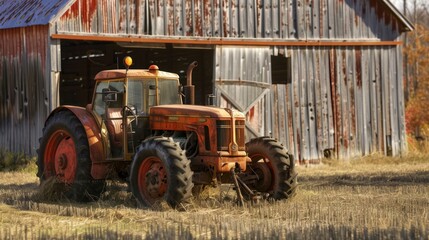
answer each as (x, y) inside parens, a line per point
(24, 95)
(245, 19)
(345, 98)
(342, 98)
(243, 82)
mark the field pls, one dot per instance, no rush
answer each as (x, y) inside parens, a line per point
(368, 198)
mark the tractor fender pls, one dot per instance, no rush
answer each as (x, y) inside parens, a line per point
(100, 169)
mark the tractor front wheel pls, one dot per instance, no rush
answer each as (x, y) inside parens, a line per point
(273, 166)
(64, 156)
(161, 172)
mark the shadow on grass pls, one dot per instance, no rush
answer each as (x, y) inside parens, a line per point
(19, 187)
(384, 179)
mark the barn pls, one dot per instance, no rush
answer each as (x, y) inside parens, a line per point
(324, 77)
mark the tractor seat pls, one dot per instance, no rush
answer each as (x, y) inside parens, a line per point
(114, 126)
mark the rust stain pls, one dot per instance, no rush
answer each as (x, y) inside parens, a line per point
(169, 18)
(88, 10)
(225, 18)
(82, 11)
(22, 98)
(189, 27)
(335, 98)
(72, 12)
(322, 16)
(198, 27)
(343, 107)
(205, 18)
(344, 66)
(357, 17)
(358, 56)
(298, 144)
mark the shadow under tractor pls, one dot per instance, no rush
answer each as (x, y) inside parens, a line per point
(137, 129)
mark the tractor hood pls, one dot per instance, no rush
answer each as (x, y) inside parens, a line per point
(194, 111)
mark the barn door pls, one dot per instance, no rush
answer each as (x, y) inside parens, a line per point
(242, 82)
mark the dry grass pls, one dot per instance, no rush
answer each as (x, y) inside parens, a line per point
(369, 198)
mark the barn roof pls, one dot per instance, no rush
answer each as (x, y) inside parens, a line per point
(408, 26)
(24, 13)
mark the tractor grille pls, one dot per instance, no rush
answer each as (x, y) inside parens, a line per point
(224, 134)
(240, 127)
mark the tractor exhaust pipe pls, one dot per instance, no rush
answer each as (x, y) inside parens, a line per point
(189, 89)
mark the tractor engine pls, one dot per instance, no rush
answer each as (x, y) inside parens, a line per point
(212, 137)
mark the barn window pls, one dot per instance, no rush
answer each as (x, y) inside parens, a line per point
(281, 70)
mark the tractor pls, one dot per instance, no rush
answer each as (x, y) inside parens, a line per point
(138, 130)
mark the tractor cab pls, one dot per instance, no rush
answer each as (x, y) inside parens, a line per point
(121, 103)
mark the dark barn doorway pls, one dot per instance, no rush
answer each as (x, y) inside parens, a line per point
(82, 60)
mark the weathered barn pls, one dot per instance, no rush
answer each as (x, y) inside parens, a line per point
(323, 76)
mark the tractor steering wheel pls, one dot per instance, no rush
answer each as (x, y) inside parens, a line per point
(130, 110)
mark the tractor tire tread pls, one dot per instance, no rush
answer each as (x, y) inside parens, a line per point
(283, 164)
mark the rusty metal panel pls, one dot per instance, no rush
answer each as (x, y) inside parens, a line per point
(393, 101)
(385, 100)
(306, 107)
(347, 104)
(310, 103)
(401, 137)
(343, 98)
(286, 19)
(346, 99)
(243, 82)
(295, 102)
(364, 67)
(235, 19)
(287, 29)
(25, 87)
(282, 127)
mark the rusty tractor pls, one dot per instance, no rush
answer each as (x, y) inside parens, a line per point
(137, 129)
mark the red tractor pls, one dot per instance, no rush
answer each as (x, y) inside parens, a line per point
(138, 130)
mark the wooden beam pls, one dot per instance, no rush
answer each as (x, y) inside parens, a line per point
(223, 41)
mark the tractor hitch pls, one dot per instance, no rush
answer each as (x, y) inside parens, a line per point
(241, 187)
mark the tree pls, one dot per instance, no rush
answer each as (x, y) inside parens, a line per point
(417, 107)
(417, 68)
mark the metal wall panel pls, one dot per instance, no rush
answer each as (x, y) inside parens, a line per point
(343, 98)
(243, 82)
(241, 19)
(24, 98)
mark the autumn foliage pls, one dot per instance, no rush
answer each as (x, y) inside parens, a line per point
(417, 83)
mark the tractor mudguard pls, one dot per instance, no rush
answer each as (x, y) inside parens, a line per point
(100, 169)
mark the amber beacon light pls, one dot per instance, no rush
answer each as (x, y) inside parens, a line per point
(128, 61)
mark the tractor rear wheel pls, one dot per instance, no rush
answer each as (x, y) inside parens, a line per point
(161, 172)
(273, 166)
(64, 156)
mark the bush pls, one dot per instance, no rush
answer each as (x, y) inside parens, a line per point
(14, 161)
